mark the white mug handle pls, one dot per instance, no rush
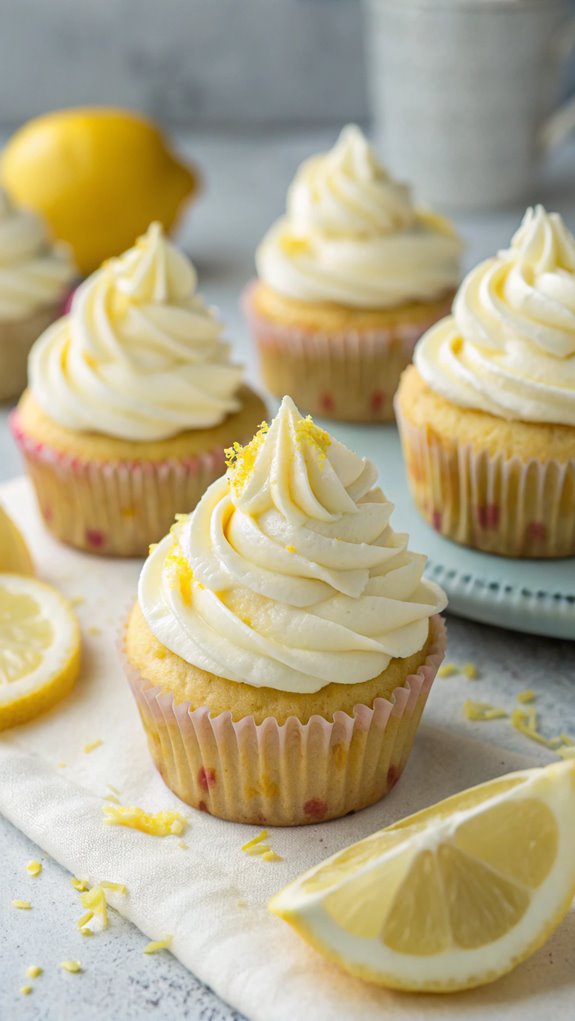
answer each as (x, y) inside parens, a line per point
(561, 123)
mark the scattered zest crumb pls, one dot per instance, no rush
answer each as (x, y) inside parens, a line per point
(256, 846)
(115, 887)
(159, 944)
(447, 670)
(83, 921)
(34, 868)
(95, 900)
(26, 990)
(86, 932)
(62, 765)
(183, 845)
(73, 967)
(33, 970)
(22, 905)
(113, 789)
(158, 824)
(470, 671)
(290, 549)
(526, 696)
(480, 711)
(79, 884)
(92, 745)
(525, 721)
(113, 798)
(94, 630)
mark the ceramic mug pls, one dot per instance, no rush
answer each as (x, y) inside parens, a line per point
(463, 93)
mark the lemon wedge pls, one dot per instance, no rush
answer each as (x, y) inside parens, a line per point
(39, 648)
(14, 553)
(452, 897)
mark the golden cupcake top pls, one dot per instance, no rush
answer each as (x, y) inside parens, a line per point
(509, 347)
(288, 573)
(140, 356)
(352, 235)
(35, 273)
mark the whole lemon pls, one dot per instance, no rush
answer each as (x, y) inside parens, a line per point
(98, 176)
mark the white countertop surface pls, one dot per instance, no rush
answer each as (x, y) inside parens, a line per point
(245, 183)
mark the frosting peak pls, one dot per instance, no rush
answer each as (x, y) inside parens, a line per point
(34, 272)
(509, 347)
(140, 356)
(352, 235)
(288, 574)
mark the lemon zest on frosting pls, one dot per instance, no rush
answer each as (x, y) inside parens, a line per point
(158, 824)
(306, 431)
(241, 460)
(34, 868)
(158, 944)
(479, 711)
(179, 572)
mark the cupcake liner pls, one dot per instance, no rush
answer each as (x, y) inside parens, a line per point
(350, 375)
(113, 508)
(492, 503)
(16, 339)
(286, 774)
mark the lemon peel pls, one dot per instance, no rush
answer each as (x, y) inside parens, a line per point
(159, 824)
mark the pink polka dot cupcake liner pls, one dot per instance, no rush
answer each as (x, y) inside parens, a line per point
(289, 774)
(492, 503)
(113, 508)
(349, 375)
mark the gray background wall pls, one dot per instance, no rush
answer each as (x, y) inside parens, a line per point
(220, 63)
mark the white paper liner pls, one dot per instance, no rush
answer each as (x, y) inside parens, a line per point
(492, 503)
(114, 508)
(287, 774)
(348, 375)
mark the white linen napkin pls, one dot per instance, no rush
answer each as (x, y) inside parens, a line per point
(210, 896)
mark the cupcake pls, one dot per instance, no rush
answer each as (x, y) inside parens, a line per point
(348, 281)
(487, 414)
(132, 398)
(35, 278)
(284, 643)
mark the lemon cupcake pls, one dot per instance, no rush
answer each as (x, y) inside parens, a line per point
(348, 281)
(283, 643)
(487, 414)
(35, 278)
(131, 400)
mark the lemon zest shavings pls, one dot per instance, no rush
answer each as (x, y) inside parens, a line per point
(159, 824)
(240, 460)
(115, 887)
(290, 549)
(95, 900)
(526, 696)
(92, 745)
(22, 905)
(259, 850)
(73, 967)
(566, 751)
(525, 720)
(113, 789)
(447, 670)
(85, 931)
(26, 990)
(158, 944)
(482, 711)
(255, 840)
(470, 671)
(34, 868)
(83, 921)
(306, 431)
(179, 572)
(271, 855)
(62, 765)
(33, 970)
(113, 798)
(79, 884)
(183, 845)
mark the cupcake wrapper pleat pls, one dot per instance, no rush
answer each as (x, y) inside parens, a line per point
(288, 774)
(114, 508)
(347, 375)
(493, 503)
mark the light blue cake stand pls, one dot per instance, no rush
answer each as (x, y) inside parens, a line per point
(537, 596)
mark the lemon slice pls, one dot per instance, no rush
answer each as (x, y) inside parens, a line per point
(451, 897)
(14, 553)
(39, 648)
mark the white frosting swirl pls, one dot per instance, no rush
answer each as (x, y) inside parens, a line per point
(139, 357)
(288, 574)
(34, 273)
(509, 347)
(352, 236)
